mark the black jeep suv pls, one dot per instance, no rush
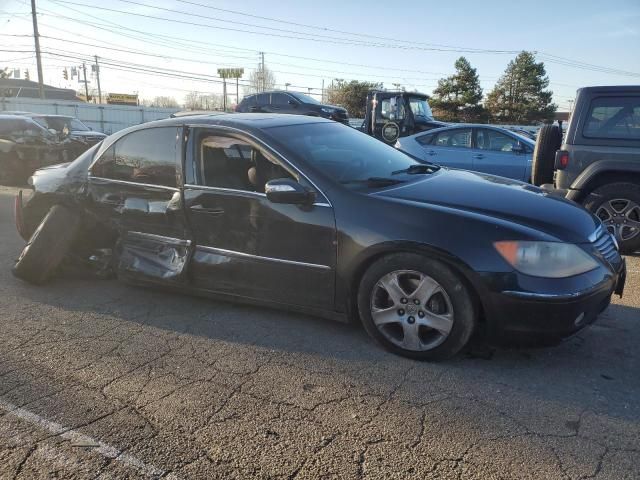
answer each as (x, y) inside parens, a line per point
(597, 163)
(294, 103)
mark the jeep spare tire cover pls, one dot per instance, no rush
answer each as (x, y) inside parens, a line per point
(544, 154)
(390, 132)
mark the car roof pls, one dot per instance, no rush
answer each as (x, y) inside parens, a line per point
(611, 88)
(243, 120)
(470, 125)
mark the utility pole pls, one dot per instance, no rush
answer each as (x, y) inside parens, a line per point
(98, 80)
(224, 94)
(36, 37)
(322, 96)
(86, 86)
(237, 91)
(263, 73)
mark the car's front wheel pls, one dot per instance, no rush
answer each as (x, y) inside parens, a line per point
(416, 306)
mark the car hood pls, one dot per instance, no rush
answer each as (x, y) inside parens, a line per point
(509, 200)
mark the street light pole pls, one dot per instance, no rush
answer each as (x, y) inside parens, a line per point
(98, 80)
(86, 86)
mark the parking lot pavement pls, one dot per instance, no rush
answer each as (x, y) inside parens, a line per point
(102, 380)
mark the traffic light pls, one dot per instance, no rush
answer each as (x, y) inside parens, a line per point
(26, 74)
(65, 74)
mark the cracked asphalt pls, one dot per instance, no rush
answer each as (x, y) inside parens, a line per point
(102, 380)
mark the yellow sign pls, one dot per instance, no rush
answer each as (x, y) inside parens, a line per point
(122, 99)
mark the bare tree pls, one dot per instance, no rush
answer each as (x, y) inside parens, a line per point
(202, 101)
(4, 72)
(260, 81)
(161, 102)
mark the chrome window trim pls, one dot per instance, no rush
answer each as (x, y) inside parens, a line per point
(161, 238)
(248, 192)
(127, 182)
(233, 253)
(224, 189)
(260, 142)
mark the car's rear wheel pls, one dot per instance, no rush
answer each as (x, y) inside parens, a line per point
(416, 307)
(618, 206)
(48, 245)
(548, 141)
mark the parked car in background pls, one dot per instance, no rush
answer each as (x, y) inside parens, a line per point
(482, 148)
(81, 136)
(598, 162)
(25, 146)
(311, 215)
(295, 103)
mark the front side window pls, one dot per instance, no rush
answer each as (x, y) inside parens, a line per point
(613, 118)
(227, 162)
(495, 141)
(263, 99)
(279, 99)
(146, 156)
(454, 138)
(425, 139)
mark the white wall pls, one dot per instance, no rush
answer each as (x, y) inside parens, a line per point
(103, 118)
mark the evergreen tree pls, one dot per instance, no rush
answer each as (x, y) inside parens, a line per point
(519, 95)
(457, 97)
(350, 95)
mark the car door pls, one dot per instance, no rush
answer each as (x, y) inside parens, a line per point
(280, 103)
(451, 148)
(133, 187)
(244, 244)
(499, 153)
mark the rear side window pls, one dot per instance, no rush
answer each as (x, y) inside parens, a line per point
(263, 98)
(613, 118)
(454, 138)
(146, 156)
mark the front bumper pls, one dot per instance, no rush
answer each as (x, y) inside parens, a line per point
(557, 308)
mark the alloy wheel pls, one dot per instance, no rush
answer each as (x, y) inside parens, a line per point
(411, 310)
(621, 216)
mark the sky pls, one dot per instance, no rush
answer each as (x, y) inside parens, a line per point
(581, 42)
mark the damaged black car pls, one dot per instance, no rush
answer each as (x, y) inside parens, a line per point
(307, 214)
(25, 146)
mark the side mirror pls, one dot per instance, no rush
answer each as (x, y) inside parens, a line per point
(285, 190)
(518, 148)
(293, 103)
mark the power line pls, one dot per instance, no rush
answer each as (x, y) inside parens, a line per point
(321, 39)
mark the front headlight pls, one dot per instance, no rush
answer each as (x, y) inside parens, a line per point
(546, 259)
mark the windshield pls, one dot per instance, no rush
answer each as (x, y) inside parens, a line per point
(420, 108)
(78, 126)
(343, 154)
(304, 98)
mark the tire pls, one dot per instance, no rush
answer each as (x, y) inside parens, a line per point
(548, 142)
(616, 198)
(452, 300)
(48, 245)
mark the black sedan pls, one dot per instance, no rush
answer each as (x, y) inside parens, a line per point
(308, 214)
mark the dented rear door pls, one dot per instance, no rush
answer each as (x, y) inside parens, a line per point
(133, 186)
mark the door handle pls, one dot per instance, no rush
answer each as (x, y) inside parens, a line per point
(478, 155)
(431, 153)
(209, 211)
